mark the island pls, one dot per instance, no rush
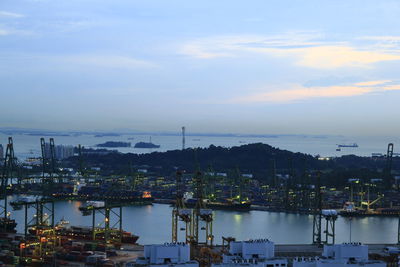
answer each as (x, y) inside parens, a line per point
(146, 145)
(114, 144)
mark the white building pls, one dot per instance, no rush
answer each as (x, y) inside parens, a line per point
(166, 255)
(346, 254)
(252, 253)
(63, 152)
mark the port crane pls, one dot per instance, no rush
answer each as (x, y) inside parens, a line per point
(330, 217)
(317, 217)
(48, 160)
(105, 209)
(180, 212)
(369, 203)
(44, 212)
(388, 167)
(9, 166)
(201, 214)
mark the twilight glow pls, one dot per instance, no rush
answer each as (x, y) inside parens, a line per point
(278, 66)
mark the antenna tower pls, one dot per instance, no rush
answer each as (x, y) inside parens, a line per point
(183, 137)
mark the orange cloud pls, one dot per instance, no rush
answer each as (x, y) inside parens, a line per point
(300, 47)
(373, 83)
(301, 93)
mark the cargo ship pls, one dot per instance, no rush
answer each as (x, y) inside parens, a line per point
(84, 233)
(349, 210)
(94, 192)
(348, 145)
(227, 204)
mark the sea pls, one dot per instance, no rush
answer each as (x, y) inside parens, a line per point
(26, 145)
(152, 223)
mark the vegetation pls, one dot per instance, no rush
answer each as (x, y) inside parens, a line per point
(257, 159)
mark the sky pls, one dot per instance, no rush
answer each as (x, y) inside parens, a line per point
(226, 66)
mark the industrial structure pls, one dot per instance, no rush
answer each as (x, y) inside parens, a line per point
(252, 253)
(347, 254)
(183, 137)
(166, 255)
(180, 213)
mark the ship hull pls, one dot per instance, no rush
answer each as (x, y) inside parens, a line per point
(86, 234)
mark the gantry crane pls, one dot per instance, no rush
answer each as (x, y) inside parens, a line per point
(180, 212)
(109, 232)
(388, 168)
(317, 216)
(330, 217)
(201, 214)
(9, 166)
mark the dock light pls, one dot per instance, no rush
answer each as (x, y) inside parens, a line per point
(43, 239)
(22, 245)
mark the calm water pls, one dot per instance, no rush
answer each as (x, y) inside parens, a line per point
(153, 224)
(28, 146)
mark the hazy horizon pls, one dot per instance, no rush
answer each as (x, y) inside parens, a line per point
(260, 67)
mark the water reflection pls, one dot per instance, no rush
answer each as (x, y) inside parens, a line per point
(153, 224)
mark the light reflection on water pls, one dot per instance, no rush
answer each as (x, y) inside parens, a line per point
(153, 224)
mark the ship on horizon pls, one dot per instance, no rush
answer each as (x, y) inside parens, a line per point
(348, 145)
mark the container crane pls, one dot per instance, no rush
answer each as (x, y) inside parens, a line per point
(180, 212)
(201, 214)
(9, 166)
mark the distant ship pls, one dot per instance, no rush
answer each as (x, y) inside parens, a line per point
(348, 145)
(226, 204)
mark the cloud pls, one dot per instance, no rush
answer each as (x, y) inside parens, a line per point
(298, 92)
(339, 56)
(392, 87)
(10, 31)
(306, 49)
(108, 61)
(10, 14)
(372, 83)
(231, 46)
(388, 38)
